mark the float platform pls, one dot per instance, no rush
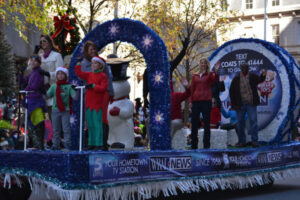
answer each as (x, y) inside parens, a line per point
(144, 174)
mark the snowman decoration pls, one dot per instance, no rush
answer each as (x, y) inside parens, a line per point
(120, 110)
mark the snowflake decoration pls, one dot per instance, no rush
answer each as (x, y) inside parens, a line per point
(73, 120)
(278, 66)
(113, 29)
(147, 41)
(228, 50)
(158, 78)
(74, 82)
(158, 117)
(81, 48)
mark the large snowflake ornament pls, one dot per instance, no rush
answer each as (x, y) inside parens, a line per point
(74, 82)
(147, 41)
(278, 65)
(157, 78)
(113, 29)
(158, 117)
(73, 120)
(81, 47)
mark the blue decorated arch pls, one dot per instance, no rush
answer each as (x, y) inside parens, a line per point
(155, 54)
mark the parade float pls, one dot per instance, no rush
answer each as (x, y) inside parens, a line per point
(142, 174)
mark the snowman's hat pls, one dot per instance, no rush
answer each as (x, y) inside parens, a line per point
(118, 67)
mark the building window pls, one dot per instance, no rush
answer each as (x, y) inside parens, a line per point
(248, 32)
(275, 2)
(249, 4)
(275, 33)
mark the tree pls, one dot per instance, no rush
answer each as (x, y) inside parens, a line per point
(21, 13)
(7, 68)
(188, 28)
(90, 10)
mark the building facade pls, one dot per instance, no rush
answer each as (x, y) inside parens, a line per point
(282, 22)
(21, 49)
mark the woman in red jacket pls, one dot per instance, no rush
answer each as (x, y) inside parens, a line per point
(201, 101)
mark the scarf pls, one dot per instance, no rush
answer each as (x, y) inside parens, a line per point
(246, 92)
(59, 100)
(46, 54)
(98, 71)
(118, 99)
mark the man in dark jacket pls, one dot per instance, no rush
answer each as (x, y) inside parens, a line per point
(244, 98)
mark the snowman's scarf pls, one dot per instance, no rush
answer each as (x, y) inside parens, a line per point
(118, 99)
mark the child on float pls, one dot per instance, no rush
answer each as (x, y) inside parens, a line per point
(215, 114)
(96, 103)
(62, 92)
(176, 112)
(36, 105)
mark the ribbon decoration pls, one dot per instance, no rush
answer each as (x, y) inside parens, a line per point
(60, 24)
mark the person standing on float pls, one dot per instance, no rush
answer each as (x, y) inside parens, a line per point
(34, 84)
(51, 60)
(176, 112)
(201, 100)
(90, 51)
(62, 92)
(95, 97)
(244, 99)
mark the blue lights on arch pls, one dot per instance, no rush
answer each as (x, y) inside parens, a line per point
(155, 54)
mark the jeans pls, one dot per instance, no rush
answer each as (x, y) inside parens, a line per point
(203, 107)
(252, 115)
(61, 119)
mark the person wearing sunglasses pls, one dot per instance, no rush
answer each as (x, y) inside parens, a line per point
(51, 60)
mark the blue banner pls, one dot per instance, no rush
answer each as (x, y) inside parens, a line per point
(146, 166)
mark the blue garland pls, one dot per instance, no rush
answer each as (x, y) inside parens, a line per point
(156, 57)
(87, 186)
(288, 64)
(71, 170)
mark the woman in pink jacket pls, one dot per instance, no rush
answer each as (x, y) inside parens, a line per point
(201, 101)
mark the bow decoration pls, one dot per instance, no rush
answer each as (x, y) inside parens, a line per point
(60, 24)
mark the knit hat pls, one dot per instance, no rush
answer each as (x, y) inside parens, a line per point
(62, 69)
(99, 60)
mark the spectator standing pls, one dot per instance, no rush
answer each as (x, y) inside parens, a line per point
(2, 108)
